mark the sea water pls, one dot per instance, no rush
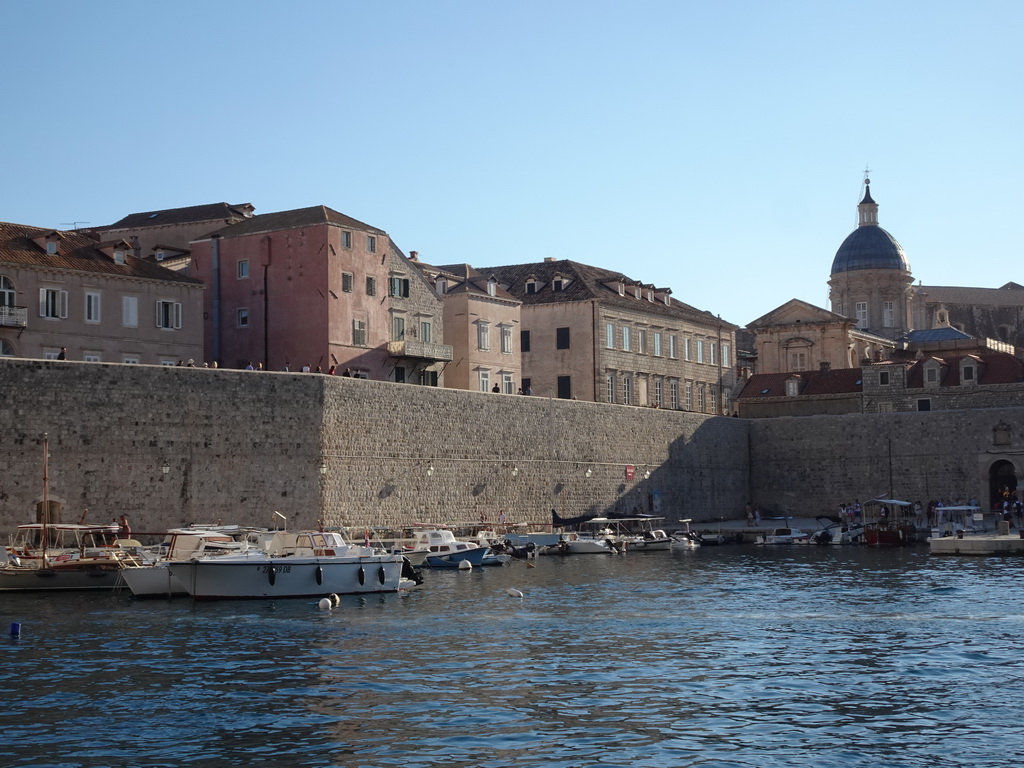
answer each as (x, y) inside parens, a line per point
(718, 657)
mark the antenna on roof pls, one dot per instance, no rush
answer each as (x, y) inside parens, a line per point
(73, 224)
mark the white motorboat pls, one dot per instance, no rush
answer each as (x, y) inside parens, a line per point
(962, 520)
(784, 536)
(845, 532)
(686, 538)
(151, 577)
(285, 565)
(446, 551)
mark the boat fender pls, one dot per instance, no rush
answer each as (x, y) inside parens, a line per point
(465, 565)
(381, 575)
(272, 575)
(319, 575)
(325, 604)
(362, 575)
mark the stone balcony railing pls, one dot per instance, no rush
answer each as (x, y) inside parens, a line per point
(14, 316)
(420, 349)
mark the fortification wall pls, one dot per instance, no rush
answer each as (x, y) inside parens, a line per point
(807, 466)
(239, 445)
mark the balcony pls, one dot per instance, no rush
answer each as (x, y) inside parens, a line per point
(15, 317)
(420, 350)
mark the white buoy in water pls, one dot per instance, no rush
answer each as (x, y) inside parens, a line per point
(325, 604)
(513, 592)
(335, 600)
(465, 565)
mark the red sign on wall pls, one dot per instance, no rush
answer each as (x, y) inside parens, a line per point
(630, 471)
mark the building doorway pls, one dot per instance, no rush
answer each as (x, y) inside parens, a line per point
(1002, 483)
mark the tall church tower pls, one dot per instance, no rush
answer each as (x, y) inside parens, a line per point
(871, 280)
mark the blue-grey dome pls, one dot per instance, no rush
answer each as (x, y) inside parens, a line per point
(869, 247)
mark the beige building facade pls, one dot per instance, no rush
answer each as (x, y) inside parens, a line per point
(93, 300)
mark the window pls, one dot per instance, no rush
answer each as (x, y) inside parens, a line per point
(968, 374)
(7, 292)
(92, 357)
(883, 378)
(627, 390)
(483, 335)
(885, 407)
(641, 342)
(398, 328)
(609, 335)
(6, 348)
(371, 243)
(673, 351)
(242, 318)
(713, 352)
(524, 341)
(713, 395)
(118, 259)
(673, 394)
(797, 361)
(485, 380)
(53, 303)
(861, 312)
(92, 307)
(243, 269)
(526, 387)
(931, 375)
(700, 350)
(358, 333)
(399, 374)
(425, 331)
(658, 392)
(657, 343)
(506, 339)
(168, 314)
(701, 399)
(889, 314)
(130, 311)
(687, 349)
(565, 387)
(130, 359)
(346, 282)
(398, 287)
(626, 339)
(610, 387)
(727, 355)
(51, 247)
(492, 287)
(689, 395)
(371, 285)
(441, 286)
(558, 284)
(346, 239)
(507, 385)
(531, 286)
(561, 338)
(924, 404)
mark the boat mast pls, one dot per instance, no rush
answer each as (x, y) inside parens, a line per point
(46, 492)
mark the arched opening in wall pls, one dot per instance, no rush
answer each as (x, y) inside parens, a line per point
(1002, 482)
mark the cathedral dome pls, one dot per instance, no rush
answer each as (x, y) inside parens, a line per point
(869, 248)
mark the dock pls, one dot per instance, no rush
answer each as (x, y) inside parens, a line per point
(1003, 543)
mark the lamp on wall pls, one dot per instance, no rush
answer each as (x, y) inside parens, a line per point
(515, 471)
(647, 474)
(430, 471)
(589, 472)
(165, 468)
(323, 469)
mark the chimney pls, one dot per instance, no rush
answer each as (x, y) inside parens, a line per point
(550, 259)
(825, 366)
(414, 255)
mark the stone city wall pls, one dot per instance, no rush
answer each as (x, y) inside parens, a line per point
(807, 466)
(168, 446)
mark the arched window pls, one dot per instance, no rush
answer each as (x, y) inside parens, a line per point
(6, 348)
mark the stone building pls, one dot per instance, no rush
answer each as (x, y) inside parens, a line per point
(96, 298)
(979, 379)
(314, 287)
(594, 334)
(166, 234)
(481, 323)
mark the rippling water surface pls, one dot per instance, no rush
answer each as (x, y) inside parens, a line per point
(720, 657)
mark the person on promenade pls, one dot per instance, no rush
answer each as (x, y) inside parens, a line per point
(63, 354)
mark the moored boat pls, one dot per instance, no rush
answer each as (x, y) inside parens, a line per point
(287, 565)
(890, 523)
(784, 536)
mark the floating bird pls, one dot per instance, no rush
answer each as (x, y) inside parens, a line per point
(513, 592)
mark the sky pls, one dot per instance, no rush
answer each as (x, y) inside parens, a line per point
(716, 148)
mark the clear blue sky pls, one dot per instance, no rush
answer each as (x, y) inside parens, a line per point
(716, 148)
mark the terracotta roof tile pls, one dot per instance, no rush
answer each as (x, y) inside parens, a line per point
(78, 252)
(190, 214)
(300, 217)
